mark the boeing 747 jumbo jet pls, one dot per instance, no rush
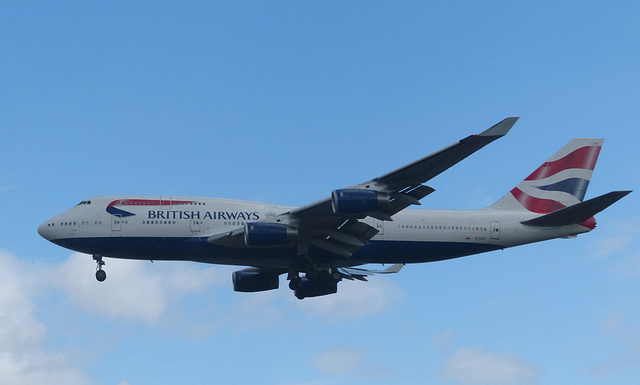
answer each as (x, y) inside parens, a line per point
(357, 225)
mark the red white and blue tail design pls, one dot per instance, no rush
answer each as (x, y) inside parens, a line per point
(560, 182)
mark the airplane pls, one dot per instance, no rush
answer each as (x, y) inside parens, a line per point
(328, 240)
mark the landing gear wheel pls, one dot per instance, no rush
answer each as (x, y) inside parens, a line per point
(101, 275)
(294, 283)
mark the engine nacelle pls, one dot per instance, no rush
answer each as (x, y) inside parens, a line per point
(253, 279)
(259, 234)
(315, 288)
(358, 201)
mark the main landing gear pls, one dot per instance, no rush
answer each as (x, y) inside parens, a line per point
(101, 275)
(318, 280)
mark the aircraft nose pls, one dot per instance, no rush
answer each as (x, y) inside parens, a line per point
(45, 230)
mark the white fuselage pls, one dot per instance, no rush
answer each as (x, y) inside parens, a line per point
(177, 228)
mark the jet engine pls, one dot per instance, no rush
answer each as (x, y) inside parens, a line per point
(269, 234)
(253, 279)
(358, 201)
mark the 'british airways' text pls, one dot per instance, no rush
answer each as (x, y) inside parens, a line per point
(226, 215)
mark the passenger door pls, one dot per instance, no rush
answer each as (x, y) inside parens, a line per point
(495, 230)
(116, 225)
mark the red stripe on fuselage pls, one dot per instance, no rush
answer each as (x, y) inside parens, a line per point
(146, 202)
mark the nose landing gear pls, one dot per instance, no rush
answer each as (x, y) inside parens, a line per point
(101, 275)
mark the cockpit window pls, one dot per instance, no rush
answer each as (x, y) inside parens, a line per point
(84, 203)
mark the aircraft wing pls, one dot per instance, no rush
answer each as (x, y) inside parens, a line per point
(405, 183)
(332, 224)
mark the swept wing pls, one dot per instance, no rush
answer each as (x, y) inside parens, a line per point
(322, 224)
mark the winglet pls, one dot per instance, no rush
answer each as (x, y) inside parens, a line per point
(501, 128)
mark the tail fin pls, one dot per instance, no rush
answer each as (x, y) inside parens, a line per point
(560, 182)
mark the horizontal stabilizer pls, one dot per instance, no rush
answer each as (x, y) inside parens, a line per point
(577, 213)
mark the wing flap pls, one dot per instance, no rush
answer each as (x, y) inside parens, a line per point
(408, 197)
(343, 240)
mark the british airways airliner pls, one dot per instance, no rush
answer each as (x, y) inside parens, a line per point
(322, 243)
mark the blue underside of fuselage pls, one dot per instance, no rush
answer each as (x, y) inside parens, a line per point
(199, 250)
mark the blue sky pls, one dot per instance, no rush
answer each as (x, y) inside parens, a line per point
(283, 102)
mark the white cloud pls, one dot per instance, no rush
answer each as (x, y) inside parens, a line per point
(628, 266)
(141, 291)
(23, 357)
(444, 340)
(340, 361)
(37, 367)
(355, 299)
(627, 336)
(18, 328)
(604, 247)
(133, 289)
(345, 361)
(255, 311)
(474, 366)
